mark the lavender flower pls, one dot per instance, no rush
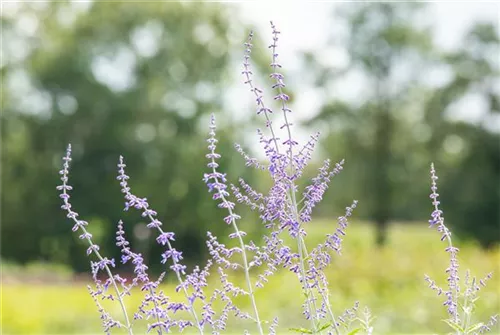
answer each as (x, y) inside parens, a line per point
(313, 193)
(216, 183)
(107, 321)
(140, 269)
(164, 238)
(453, 278)
(305, 154)
(273, 326)
(281, 96)
(103, 263)
(249, 161)
(460, 323)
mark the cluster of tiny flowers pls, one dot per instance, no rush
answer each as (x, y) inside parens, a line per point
(107, 321)
(140, 269)
(305, 154)
(452, 270)
(454, 295)
(349, 316)
(142, 204)
(313, 193)
(251, 198)
(321, 253)
(249, 161)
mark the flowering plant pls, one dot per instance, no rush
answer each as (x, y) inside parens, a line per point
(284, 210)
(459, 303)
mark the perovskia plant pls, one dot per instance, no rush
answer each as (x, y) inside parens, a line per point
(284, 210)
(460, 302)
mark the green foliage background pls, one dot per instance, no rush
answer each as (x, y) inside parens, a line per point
(140, 80)
(155, 117)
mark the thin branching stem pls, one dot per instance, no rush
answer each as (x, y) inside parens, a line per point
(179, 279)
(106, 267)
(309, 294)
(129, 195)
(243, 251)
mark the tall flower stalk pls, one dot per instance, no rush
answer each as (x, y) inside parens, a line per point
(455, 297)
(279, 84)
(216, 182)
(163, 238)
(104, 263)
(280, 208)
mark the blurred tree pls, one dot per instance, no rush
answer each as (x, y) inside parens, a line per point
(411, 113)
(129, 78)
(385, 47)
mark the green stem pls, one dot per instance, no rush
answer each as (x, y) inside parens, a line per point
(108, 270)
(248, 281)
(245, 262)
(323, 295)
(311, 304)
(179, 278)
(181, 282)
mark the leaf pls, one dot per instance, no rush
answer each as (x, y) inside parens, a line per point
(323, 327)
(455, 326)
(301, 330)
(307, 331)
(474, 327)
(354, 331)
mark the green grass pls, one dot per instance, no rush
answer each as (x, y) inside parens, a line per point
(389, 280)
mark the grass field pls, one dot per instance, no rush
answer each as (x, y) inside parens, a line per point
(389, 280)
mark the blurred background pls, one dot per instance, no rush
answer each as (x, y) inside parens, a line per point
(390, 86)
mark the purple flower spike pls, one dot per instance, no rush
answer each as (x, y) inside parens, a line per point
(102, 264)
(216, 181)
(164, 238)
(261, 108)
(453, 279)
(281, 96)
(313, 193)
(249, 161)
(140, 269)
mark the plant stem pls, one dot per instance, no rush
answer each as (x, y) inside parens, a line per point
(322, 293)
(181, 282)
(247, 278)
(301, 247)
(245, 261)
(179, 278)
(67, 205)
(108, 270)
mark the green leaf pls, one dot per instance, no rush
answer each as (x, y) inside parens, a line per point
(323, 327)
(301, 330)
(474, 327)
(354, 331)
(455, 326)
